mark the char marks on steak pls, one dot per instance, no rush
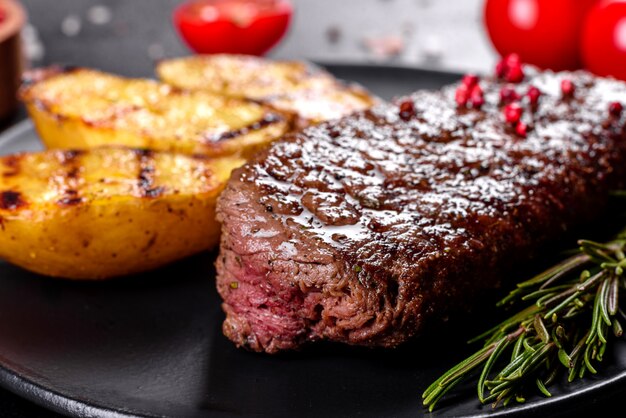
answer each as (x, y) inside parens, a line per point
(367, 229)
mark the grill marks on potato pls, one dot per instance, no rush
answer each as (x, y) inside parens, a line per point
(11, 165)
(267, 120)
(11, 200)
(71, 198)
(311, 95)
(64, 180)
(101, 109)
(70, 161)
(145, 178)
(80, 215)
(68, 157)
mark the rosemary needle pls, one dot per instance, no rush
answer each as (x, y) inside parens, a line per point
(573, 310)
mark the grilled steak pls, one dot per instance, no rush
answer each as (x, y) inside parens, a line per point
(368, 229)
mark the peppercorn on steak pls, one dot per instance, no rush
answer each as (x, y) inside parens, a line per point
(82, 108)
(109, 211)
(312, 95)
(369, 229)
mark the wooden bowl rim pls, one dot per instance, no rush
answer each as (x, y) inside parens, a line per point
(14, 19)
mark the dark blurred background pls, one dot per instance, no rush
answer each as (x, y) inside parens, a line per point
(127, 36)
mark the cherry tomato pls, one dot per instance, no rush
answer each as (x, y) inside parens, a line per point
(543, 32)
(233, 26)
(2, 14)
(603, 43)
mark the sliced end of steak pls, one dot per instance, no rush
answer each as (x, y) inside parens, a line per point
(367, 229)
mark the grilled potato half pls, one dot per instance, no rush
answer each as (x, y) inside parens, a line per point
(82, 108)
(107, 212)
(311, 95)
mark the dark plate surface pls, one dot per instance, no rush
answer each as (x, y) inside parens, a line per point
(151, 345)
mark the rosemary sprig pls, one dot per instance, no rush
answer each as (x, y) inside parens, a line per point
(574, 309)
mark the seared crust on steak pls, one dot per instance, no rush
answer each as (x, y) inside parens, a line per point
(368, 229)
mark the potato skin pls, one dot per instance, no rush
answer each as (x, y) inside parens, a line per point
(82, 109)
(58, 132)
(109, 227)
(106, 240)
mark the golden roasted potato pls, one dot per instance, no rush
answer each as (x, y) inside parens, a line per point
(109, 211)
(290, 86)
(82, 108)
(242, 76)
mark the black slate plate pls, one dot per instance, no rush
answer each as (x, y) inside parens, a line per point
(151, 345)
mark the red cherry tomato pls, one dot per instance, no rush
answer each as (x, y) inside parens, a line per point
(2, 14)
(543, 32)
(233, 26)
(603, 43)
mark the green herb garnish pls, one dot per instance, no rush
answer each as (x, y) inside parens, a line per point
(573, 312)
